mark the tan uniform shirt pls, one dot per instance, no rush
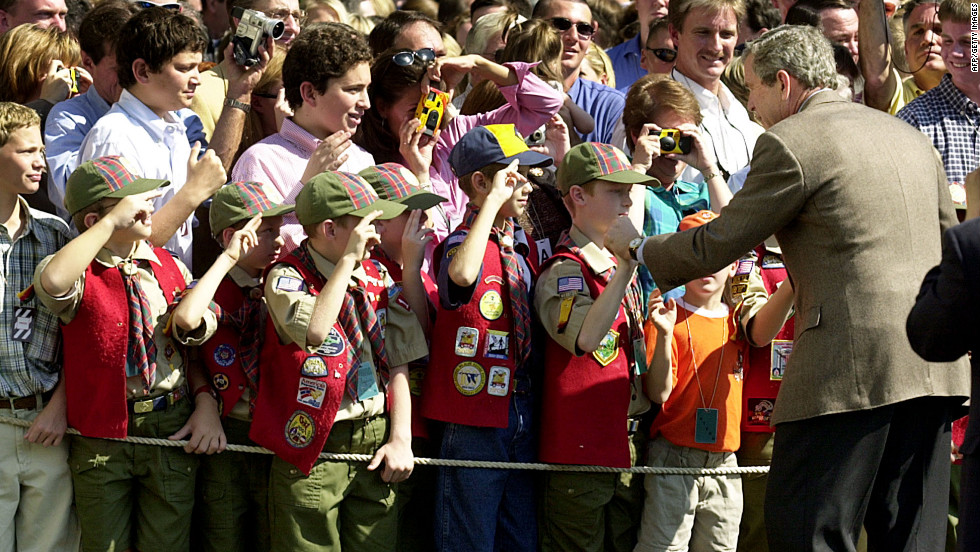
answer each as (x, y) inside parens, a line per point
(547, 303)
(170, 363)
(291, 311)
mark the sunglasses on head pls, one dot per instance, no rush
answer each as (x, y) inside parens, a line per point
(408, 57)
(563, 24)
(665, 55)
(171, 6)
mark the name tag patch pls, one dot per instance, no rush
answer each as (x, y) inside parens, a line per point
(23, 324)
(288, 283)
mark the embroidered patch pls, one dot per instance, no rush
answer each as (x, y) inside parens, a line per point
(169, 351)
(569, 284)
(451, 252)
(781, 350)
(220, 381)
(333, 345)
(499, 381)
(288, 283)
(744, 266)
(394, 290)
(565, 312)
(772, 261)
(455, 239)
(608, 348)
(466, 341)
(224, 355)
(469, 378)
(760, 412)
(493, 279)
(491, 305)
(401, 302)
(300, 429)
(314, 367)
(498, 345)
(311, 392)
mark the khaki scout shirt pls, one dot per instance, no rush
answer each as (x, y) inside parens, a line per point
(170, 371)
(291, 310)
(547, 303)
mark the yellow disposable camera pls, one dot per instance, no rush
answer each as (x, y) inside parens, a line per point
(672, 141)
(74, 80)
(430, 111)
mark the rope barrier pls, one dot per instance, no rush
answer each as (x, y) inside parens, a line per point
(536, 466)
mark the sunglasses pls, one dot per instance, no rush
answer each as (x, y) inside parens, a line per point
(665, 55)
(408, 57)
(171, 6)
(282, 15)
(585, 30)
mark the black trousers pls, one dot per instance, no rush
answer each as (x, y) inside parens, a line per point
(968, 533)
(886, 468)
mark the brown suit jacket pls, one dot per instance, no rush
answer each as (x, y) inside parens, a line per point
(858, 201)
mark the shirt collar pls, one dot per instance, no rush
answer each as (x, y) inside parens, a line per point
(97, 101)
(706, 98)
(26, 220)
(154, 125)
(242, 278)
(142, 252)
(326, 268)
(298, 136)
(598, 259)
(954, 97)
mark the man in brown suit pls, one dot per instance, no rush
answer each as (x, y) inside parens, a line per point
(858, 201)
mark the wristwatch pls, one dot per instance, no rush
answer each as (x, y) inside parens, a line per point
(231, 102)
(635, 244)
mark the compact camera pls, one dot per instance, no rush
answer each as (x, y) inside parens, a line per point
(536, 138)
(253, 27)
(430, 110)
(74, 80)
(672, 141)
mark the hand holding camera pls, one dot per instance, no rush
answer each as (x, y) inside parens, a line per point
(253, 28)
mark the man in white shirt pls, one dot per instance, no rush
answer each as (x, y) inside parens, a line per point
(158, 78)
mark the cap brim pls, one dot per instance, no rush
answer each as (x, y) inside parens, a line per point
(389, 209)
(629, 177)
(421, 199)
(278, 211)
(530, 159)
(138, 186)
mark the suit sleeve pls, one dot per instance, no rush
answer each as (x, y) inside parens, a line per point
(773, 195)
(944, 321)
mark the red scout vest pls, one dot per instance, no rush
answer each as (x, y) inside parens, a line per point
(473, 388)
(301, 392)
(220, 353)
(759, 390)
(96, 341)
(586, 404)
(416, 369)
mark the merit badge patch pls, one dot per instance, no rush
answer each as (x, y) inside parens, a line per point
(608, 348)
(23, 324)
(300, 429)
(499, 381)
(288, 283)
(570, 284)
(469, 378)
(498, 345)
(760, 412)
(781, 349)
(772, 261)
(224, 355)
(311, 392)
(491, 305)
(220, 381)
(314, 367)
(333, 345)
(466, 341)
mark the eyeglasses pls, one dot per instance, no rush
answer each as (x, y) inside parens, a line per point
(171, 6)
(408, 57)
(283, 14)
(665, 55)
(585, 30)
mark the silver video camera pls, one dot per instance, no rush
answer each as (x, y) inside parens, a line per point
(253, 27)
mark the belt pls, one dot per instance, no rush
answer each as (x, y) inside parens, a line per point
(24, 403)
(157, 403)
(632, 425)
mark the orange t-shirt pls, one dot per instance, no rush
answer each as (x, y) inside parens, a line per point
(710, 330)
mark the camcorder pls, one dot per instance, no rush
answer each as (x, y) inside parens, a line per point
(430, 110)
(253, 27)
(672, 141)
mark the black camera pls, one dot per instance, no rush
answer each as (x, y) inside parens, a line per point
(253, 27)
(672, 141)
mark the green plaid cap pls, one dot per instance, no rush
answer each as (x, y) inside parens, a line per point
(333, 194)
(239, 201)
(110, 176)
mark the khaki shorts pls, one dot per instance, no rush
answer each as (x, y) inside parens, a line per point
(135, 496)
(684, 512)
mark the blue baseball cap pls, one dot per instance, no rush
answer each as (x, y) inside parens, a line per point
(486, 145)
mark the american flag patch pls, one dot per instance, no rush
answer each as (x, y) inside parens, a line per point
(570, 283)
(744, 267)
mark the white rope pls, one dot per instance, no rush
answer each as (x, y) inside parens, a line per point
(338, 457)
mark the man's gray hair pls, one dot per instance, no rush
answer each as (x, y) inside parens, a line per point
(802, 51)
